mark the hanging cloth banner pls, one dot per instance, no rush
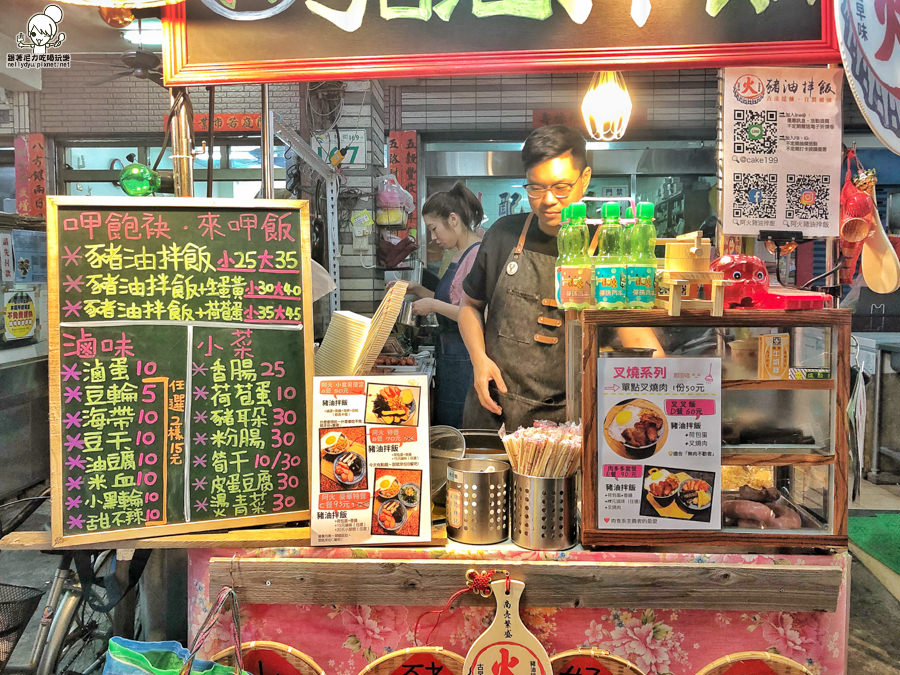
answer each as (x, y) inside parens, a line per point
(868, 34)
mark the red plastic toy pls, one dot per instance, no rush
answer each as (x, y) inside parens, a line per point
(749, 287)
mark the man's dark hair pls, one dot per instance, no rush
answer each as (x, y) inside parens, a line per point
(553, 141)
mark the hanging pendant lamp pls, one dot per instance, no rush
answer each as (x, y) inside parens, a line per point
(606, 107)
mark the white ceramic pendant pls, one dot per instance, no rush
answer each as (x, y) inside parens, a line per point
(507, 647)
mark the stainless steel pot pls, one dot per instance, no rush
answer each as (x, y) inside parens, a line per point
(407, 318)
(446, 444)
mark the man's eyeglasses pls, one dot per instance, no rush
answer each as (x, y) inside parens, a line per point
(559, 190)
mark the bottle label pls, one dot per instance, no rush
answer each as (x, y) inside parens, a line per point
(609, 286)
(575, 288)
(641, 288)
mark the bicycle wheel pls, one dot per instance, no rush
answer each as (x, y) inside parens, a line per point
(79, 636)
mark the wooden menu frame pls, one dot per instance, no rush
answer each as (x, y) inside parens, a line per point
(182, 67)
(836, 319)
(54, 204)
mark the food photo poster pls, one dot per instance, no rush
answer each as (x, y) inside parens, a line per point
(370, 481)
(659, 428)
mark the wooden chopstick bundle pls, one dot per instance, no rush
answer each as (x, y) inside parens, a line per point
(546, 450)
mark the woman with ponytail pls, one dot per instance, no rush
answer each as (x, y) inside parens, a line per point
(451, 219)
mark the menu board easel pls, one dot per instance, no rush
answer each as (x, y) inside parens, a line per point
(180, 365)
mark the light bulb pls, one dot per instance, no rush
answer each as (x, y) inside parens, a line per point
(606, 107)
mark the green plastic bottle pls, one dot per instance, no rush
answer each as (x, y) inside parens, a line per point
(627, 224)
(609, 270)
(562, 257)
(641, 287)
(575, 274)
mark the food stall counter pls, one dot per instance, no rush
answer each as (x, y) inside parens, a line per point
(666, 612)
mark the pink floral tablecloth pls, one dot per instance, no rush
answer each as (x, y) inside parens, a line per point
(342, 639)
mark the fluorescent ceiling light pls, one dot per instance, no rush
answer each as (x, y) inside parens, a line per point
(146, 32)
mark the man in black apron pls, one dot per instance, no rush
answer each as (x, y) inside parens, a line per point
(517, 345)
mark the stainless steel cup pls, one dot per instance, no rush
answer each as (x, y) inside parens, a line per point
(543, 512)
(477, 501)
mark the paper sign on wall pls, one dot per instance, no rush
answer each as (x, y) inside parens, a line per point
(354, 140)
(660, 443)
(371, 481)
(782, 150)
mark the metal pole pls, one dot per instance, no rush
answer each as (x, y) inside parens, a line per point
(182, 159)
(268, 147)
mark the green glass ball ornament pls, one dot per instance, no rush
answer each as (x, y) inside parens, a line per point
(139, 180)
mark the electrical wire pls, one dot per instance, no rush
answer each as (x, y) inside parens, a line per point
(836, 268)
(336, 111)
(181, 98)
(778, 265)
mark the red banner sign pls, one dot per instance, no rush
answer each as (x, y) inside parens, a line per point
(403, 162)
(31, 175)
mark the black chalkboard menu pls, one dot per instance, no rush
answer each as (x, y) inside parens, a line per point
(180, 366)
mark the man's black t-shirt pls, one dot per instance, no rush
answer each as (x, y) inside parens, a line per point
(498, 242)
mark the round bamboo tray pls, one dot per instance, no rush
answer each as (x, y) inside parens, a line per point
(300, 662)
(389, 663)
(614, 664)
(776, 664)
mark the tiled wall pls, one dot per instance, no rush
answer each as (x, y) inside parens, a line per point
(71, 103)
(667, 103)
(362, 286)
(662, 100)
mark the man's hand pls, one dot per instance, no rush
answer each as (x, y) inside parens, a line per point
(485, 371)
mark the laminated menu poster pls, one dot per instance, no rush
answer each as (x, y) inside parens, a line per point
(371, 484)
(782, 150)
(180, 365)
(659, 428)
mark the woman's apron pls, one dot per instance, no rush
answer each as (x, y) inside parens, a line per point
(454, 368)
(523, 335)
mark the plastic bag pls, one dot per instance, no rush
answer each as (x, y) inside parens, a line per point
(131, 657)
(391, 195)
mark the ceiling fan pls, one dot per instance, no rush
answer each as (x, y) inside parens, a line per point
(141, 64)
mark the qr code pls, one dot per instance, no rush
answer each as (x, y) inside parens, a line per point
(754, 195)
(807, 196)
(755, 132)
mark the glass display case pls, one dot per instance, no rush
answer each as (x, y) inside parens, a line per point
(784, 391)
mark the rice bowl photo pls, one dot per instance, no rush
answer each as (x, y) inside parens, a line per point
(635, 428)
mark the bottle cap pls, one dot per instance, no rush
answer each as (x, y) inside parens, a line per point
(611, 210)
(564, 215)
(629, 213)
(645, 211)
(578, 210)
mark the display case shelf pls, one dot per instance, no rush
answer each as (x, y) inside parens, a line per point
(768, 456)
(780, 385)
(815, 469)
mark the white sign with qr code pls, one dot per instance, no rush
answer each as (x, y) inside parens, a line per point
(782, 150)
